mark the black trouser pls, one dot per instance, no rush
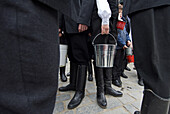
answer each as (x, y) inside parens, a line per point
(125, 62)
(77, 48)
(118, 61)
(151, 38)
(63, 39)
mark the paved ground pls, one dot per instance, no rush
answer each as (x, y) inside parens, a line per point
(130, 102)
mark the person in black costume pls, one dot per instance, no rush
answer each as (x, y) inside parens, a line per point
(125, 61)
(150, 31)
(90, 71)
(29, 54)
(103, 76)
(63, 40)
(90, 50)
(78, 51)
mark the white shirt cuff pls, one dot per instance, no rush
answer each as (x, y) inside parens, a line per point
(105, 21)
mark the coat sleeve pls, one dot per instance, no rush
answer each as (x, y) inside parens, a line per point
(104, 11)
(85, 12)
(61, 19)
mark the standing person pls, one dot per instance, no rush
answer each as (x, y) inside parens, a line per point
(90, 71)
(29, 55)
(78, 51)
(125, 61)
(150, 29)
(63, 41)
(102, 23)
(90, 50)
(123, 42)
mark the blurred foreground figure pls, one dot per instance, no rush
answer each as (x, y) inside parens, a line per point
(151, 33)
(29, 55)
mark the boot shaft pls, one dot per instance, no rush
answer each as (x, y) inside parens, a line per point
(73, 73)
(153, 104)
(81, 78)
(99, 78)
(90, 71)
(107, 77)
(62, 70)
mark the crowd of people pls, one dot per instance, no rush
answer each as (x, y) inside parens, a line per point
(29, 51)
(78, 49)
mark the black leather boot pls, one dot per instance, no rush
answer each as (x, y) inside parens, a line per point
(107, 84)
(136, 112)
(124, 75)
(63, 77)
(127, 68)
(90, 72)
(116, 81)
(73, 76)
(68, 74)
(101, 99)
(80, 87)
(140, 82)
(152, 104)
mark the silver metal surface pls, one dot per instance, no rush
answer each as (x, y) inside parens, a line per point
(104, 53)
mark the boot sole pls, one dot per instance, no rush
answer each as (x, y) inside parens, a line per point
(63, 80)
(117, 85)
(74, 106)
(66, 90)
(124, 77)
(90, 80)
(114, 95)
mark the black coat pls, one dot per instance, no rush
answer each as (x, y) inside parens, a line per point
(131, 6)
(29, 55)
(149, 19)
(67, 7)
(81, 10)
(63, 38)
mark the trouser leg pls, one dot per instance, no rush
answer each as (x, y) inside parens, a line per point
(117, 68)
(78, 48)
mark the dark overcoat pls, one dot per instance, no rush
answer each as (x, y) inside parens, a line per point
(82, 11)
(150, 32)
(29, 55)
(131, 6)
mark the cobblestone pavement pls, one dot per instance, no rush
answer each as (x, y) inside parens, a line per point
(130, 102)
